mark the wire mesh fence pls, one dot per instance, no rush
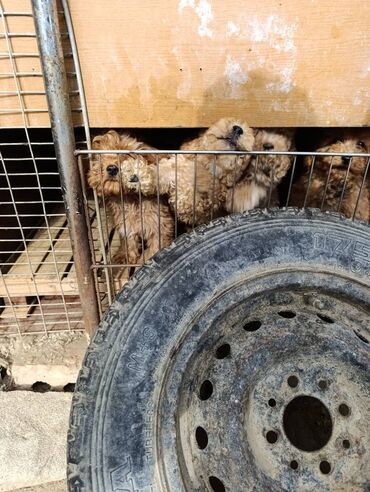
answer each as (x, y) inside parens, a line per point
(137, 200)
(148, 198)
(38, 286)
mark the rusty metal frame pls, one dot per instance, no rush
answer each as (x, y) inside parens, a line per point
(50, 47)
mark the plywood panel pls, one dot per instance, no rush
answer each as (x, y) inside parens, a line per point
(188, 62)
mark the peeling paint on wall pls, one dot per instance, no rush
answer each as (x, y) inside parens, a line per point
(273, 31)
(203, 9)
(232, 29)
(235, 76)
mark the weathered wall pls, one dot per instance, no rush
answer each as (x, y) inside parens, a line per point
(188, 62)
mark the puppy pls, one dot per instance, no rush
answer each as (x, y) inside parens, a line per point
(334, 183)
(227, 134)
(197, 185)
(258, 186)
(138, 220)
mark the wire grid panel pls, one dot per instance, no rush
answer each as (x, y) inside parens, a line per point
(37, 280)
(328, 184)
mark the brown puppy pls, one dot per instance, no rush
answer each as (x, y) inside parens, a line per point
(262, 177)
(138, 220)
(196, 186)
(335, 182)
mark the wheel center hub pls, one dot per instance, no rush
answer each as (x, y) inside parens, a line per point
(307, 423)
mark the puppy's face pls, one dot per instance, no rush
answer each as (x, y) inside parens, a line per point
(271, 168)
(109, 172)
(229, 134)
(137, 176)
(341, 163)
(104, 176)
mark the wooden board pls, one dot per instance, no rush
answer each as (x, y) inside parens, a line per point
(47, 267)
(189, 62)
(186, 63)
(53, 271)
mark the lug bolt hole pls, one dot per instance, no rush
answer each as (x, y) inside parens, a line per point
(223, 351)
(325, 319)
(292, 381)
(206, 390)
(216, 484)
(287, 314)
(344, 410)
(252, 325)
(322, 384)
(325, 467)
(271, 437)
(272, 402)
(346, 444)
(201, 437)
(294, 465)
(360, 336)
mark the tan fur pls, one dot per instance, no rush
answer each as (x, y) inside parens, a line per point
(337, 180)
(228, 169)
(264, 173)
(176, 176)
(126, 209)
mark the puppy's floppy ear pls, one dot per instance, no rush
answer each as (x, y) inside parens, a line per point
(324, 149)
(150, 158)
(310, 159)
(108, 140)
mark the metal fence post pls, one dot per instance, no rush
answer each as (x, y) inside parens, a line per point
(52, 60)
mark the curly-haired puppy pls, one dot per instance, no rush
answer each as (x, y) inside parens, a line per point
(334, 183)
(196, 185)
(258, 186)
(138, 220)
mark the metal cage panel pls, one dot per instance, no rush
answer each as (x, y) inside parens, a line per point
(107, 240)
(38, 284)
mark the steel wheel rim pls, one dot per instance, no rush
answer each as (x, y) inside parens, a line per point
(211, 455)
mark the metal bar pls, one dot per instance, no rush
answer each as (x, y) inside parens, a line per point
(220, 152)
(213, 185)
(176, 221)
(84, 112)
(291, 181)
(141, 215)
(194, 189)
(344, 185)
(326, 185)
(309, 181)
(110, 282)
(361, 189)
(234, 185)
(50, 47)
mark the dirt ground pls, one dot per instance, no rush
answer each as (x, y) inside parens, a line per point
(47, 487)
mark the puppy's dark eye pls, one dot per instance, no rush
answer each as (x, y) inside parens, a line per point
(268, 146)
(361, 144)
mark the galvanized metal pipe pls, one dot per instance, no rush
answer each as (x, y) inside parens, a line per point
(51, 53)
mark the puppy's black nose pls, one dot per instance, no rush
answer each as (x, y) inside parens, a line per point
(112, 170)
(237, 131)
(346, 160)
(133, 179)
